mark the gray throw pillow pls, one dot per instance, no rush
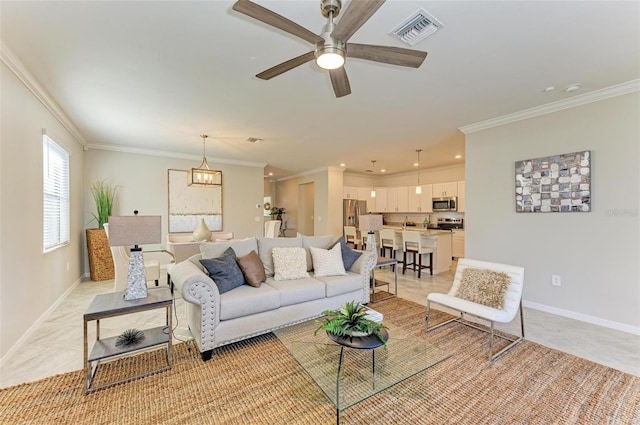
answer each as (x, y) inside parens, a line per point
(224, 271)
(349, 256)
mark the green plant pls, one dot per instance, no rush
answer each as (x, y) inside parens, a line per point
(103, 194)
(276, 211)
(350, 318)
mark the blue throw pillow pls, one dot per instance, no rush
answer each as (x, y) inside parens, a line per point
(349, 256)
(224, 271)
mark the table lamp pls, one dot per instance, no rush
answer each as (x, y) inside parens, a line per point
(370, 223)
(135, 230)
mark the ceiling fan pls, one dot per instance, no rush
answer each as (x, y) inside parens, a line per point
(331, 45)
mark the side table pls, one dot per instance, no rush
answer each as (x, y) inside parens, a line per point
(111, 305)
(376, 283)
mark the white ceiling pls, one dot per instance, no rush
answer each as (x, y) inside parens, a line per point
(154, 75)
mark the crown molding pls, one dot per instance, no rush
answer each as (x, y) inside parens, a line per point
(583, 99)
(168, 154)
(31, 83)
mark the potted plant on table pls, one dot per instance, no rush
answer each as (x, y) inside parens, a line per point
(276, 213)
(100, 259)
(351, 320)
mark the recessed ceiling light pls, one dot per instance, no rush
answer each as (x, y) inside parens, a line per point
(343, 164)
(548, 89)
(383, 171)
(573, 87)
(271, 174)
(458, 156)
(415, 164)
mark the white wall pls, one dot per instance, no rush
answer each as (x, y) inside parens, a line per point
(30, 280)
(450, 173)
(142, 184)
(597, 253)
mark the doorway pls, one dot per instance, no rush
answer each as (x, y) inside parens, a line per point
(306, 209)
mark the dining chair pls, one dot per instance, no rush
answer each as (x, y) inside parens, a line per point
(272, 228)
(350, 235)
(412, 244)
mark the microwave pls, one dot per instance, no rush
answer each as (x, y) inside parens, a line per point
(445, 204)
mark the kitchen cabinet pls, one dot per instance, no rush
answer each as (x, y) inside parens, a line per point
(380, 204)
(364, 194)
(414, 200)
(403, 199)
(349, 192)
(426, 198)
(397, 199)
(457, 243)
(461, 196)
(420, 202)
(445, 189)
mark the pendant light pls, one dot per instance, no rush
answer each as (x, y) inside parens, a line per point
(373, 188)
(204, 176)
(418, 187)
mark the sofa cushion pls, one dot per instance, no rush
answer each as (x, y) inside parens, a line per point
(337, 285)
(298, 291)
(315, 241)
(327, 262)
(240, 246)
(265, 245)
(224, 271)
(484, 287)
(246, 300)
(289, 263)
(349, 256)
(252, 269)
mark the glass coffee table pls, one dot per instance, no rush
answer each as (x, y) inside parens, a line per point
(348, 376)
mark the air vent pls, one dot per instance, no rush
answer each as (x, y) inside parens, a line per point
(417, 27)
(254, 139)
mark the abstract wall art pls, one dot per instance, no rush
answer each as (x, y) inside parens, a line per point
(558, 183)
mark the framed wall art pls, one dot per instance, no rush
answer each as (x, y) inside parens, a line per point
(189, 204)
(558, 183)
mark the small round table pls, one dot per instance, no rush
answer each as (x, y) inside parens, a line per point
(369, 342)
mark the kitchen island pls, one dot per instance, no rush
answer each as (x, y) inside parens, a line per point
(439, 240)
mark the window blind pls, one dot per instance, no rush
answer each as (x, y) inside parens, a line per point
(55, 184)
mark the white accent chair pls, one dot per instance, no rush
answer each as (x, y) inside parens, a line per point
(512, 303)
(121, 257)
(272, 228)
(412, 244)
(351, 235)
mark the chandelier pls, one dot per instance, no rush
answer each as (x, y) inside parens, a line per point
(203, 175)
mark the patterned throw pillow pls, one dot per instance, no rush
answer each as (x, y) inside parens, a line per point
(289, 263)
(349, 256)
(327, 262)
(224, 271)
(484, 287)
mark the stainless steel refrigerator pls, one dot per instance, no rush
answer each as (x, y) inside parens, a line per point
(351, 210)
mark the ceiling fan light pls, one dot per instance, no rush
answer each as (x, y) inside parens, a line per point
(330, 58)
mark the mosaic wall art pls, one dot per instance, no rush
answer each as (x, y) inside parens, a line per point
(559, 183)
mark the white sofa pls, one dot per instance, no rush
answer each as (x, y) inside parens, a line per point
(218, 319)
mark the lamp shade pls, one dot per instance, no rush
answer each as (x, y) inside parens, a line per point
(370, 222)
(134, 230)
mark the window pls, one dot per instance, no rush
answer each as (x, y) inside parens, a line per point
(55, 188)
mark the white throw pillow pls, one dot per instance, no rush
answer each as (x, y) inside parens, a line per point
(289, 263)
(327, 262)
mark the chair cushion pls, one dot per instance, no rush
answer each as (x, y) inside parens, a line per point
(484, 287)
(349, 256)
(327, 262)
(315, 241)
(252, 269)
(298, 291)
(224, 271)
(246, 300)
(289, 263)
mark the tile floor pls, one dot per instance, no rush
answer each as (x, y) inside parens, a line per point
(56, 346)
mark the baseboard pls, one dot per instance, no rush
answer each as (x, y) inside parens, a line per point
(635, 330)
(37, 323)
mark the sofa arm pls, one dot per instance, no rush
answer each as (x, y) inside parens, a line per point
(363, 266)
(198, 288)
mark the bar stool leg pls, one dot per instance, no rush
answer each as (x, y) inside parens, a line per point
(404, 263)
(419, 265)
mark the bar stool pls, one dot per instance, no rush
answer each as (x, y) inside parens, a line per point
(412, 243)
(350, 235)
(392, 241)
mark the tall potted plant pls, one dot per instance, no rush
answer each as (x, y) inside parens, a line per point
(100, 259)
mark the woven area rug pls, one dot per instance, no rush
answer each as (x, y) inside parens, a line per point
(258, 382)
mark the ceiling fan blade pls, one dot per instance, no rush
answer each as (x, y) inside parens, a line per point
(286, 66)
(340, 82)
(386, 54)
(271, 18)
(358, 12)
